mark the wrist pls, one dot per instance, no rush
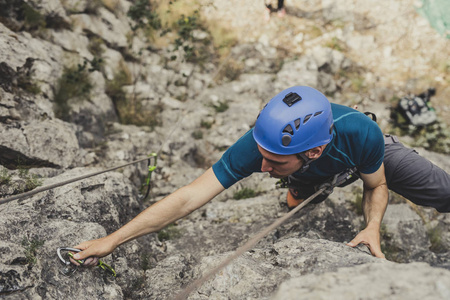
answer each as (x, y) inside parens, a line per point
(374, 224)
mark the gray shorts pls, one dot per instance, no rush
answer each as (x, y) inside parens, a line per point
(416, 178)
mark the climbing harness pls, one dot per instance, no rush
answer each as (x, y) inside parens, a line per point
(301, 188)
(69, 268)
(52, 186)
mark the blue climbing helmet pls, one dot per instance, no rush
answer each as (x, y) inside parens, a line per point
(297, 119)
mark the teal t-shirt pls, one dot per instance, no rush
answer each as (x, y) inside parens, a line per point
(357, 142)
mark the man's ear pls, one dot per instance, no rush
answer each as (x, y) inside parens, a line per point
(315, 152)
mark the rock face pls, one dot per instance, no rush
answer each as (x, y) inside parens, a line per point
(51, 131)
(374, 281)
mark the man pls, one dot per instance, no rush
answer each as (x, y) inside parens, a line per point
(301, 136)
(274, 6)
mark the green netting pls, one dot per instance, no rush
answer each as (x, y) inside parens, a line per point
(438, 14)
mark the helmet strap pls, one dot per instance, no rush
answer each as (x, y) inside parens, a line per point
(306, 161)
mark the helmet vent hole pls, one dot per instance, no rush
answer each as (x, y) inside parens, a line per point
(288, 129)
(307, 118)
(318, 113)
(297, 124)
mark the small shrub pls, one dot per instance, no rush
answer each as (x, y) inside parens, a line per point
(435, 235)
(356, 204)
(32, 181)
(145, 262)
(220, 107)
(31, 249)
(74, 83)
(434, 137)
(129, 109)
(205, 124)
(335, 44)
(187, 24)
(96, 64)
(244, 194)
(358, 84)
(169, 233)
(143, 14)
(33, 19)
(197, 134)
(231, 71)
(5, 177)
(95, 46)
(195, 51)
(389, 248)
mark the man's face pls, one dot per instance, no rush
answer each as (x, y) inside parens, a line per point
(279, 166)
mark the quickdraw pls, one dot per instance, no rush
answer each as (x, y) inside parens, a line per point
(70, 268)
(151, 168)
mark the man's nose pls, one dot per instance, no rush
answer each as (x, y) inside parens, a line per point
(265, 166)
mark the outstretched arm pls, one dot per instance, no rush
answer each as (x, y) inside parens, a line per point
(175, 206)
(375, 200)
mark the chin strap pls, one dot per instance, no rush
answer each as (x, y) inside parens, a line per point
(306, 162)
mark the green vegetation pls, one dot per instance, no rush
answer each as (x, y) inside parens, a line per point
(197, 134)
(145, 262)
(193, 50)
(434, 137)
(30, 87)
(5, 177)
(95, 46)
(355, 77)
(231, 70)
(356, 204)
(143, 13)
(390, 250)
(169, 233)
(74, 83)
(96, 64)
(244, 194)
(32, 181)
(129, 108)
(335, 44)
(220, 107)
(93, 6)
(312, 32)
(31, 247)
(33, 20)
(206, 124)
(435, 235)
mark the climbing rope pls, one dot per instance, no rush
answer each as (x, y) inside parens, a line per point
(326, 188)
(247, 246)
(55, 185)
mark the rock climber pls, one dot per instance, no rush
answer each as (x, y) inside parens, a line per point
(302, 138)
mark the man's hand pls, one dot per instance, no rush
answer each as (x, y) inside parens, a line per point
(375, 200)
(371, 238)
(93, 250)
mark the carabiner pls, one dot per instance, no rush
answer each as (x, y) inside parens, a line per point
(151, 168)
(106, 268)
(69, 269)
